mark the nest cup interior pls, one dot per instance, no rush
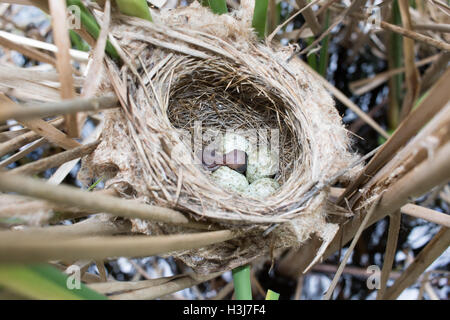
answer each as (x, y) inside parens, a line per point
(221, 100)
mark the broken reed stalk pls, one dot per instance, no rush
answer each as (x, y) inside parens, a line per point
(432, 251)
(407, 33)
(430, 173)
(391, 248)
(26, 249)
(58, 11)
(22, 153)
(77, 55)
(161, 290)
(75, 197)
(409, 209)
(362, 86)
(119, 286)
(28, 209)
(20, 141)
(94, 226)
(54, 160)
(426, 214)
(354, 271)
(310, 17)
(436, 100)
(28, 52)
(58, 108)
(412, 77)
(349, 251)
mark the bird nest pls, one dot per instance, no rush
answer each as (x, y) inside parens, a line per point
(193, 72)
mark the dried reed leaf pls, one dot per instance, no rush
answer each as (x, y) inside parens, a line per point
(389, 254)
(437, 245)
(61, 37)
(412, 74)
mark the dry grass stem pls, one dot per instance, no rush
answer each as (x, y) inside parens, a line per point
(439, 218)
(54, 160)
(121, 286)
(58, 11)
(24, 41)
(389, 255)
(92, 227)
(348, 103)
(436, 100)
(57, 108)
(31, 248)
(439, 243)
(24, 139)
(163, 289)
(75, 197)
(337, 276)
(310, 17)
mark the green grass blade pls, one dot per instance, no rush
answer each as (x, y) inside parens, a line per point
(312, 59)
(90, 24)
(135, 8)
(92, 187)
(272, 295)
(242, 285)
(42, 282)
(77, 42)
(260, 17)
(323, 58)
(217, 6)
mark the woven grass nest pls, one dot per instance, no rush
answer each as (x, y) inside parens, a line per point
(192, 65)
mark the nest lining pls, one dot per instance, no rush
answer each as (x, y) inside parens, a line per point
(228, 80)
(222, 101)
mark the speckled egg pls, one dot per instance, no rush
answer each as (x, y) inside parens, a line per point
(230, 180)
(231, 141)
(261, 164)
(261, 188)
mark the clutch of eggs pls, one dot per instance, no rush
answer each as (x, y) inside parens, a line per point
(262, 164)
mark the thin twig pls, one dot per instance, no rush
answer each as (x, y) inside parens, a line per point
(389, 255)
(349, 251)
(29, 248)
(55, 160)
(164, 289)
(75, 197)
(58, 108)
(408, 33)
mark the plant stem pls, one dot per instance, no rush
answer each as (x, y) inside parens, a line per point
(135, 8)
(217, 6)
(242, 285)
(88, 21)
(260, 17)
(323, 59)
(272, 295)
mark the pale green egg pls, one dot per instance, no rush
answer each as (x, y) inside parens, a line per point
(261, 164)
(230, 141)
(229, 179)
(261, 188)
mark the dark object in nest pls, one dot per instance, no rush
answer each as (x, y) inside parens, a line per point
(235, 159)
